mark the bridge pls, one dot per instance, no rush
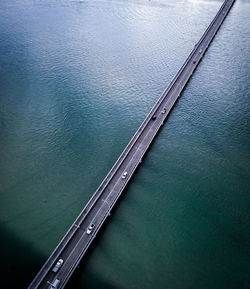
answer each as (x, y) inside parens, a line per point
(80, 235)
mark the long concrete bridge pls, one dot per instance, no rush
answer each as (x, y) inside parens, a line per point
(79, 237)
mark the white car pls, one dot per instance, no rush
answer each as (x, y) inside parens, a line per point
(90, 228)
(124, 175)
(58, 265)
(55, 284)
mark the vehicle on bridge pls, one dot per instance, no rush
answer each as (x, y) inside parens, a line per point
(58, 265)
(124, 175)
(90, 228)
(55, 284)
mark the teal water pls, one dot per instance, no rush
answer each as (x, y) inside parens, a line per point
(76, 80)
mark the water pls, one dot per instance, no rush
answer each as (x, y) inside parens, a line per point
(77, 78)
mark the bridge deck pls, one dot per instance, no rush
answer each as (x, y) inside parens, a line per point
(76, 241)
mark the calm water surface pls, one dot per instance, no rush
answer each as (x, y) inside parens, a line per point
(76, 80)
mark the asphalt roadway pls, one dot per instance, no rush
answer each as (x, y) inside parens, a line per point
(76, 241)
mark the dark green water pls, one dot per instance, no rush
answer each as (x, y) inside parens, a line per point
(76, 80)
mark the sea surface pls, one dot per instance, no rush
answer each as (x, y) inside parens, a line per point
(76, 80)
